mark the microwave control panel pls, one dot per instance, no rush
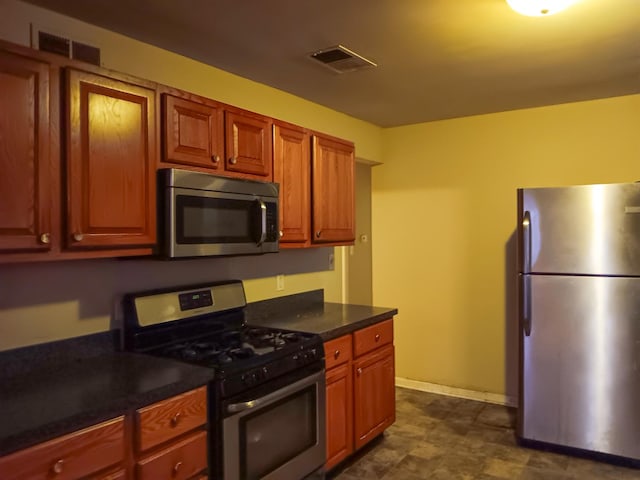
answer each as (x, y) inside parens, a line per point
(272, 222)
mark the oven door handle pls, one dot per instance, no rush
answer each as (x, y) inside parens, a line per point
(277, 395)
(263, 222)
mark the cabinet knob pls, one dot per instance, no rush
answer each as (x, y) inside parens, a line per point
(281, 233)
(359, 371)
(175, 419)
(45, 238)
(58, 467)
(176, 468)
(78, 237)
(215, 158)
(336, 354)
(377, 337)
(318, 233)
(233, 160)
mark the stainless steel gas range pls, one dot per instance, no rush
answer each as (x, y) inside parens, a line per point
(267, 401)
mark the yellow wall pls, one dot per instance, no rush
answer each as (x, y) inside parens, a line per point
(444, 212)
(45, 302)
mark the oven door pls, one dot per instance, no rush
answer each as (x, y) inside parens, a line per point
(202, 223)
(280, 435)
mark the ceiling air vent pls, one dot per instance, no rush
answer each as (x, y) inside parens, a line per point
(340, 59)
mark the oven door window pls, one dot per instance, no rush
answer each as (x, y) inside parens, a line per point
(204, 220)
(272, 436)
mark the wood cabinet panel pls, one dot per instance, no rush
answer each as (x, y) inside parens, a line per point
(111, 162)
(291, 169)
(73, 456)
(374, 394)
(193, 132)
(337, 351)
(25, 193)
(370, 338)
(180, 461)
(248, 144)
(339, 414)
(333, 191)
(170, 418)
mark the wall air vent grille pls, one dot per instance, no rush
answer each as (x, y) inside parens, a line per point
(340, 59)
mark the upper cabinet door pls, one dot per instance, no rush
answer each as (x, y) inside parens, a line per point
(193, 132)
(111, 145)
(248, 144)
(25, 182)
(333, 190)
(291, 169)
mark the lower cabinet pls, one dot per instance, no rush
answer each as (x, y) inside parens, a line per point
(339, 398)
(97, 451)
(171, 437)
(360, 387)
(168, 440)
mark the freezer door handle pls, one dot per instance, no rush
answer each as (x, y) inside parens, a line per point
(526, 305)
(526, 242)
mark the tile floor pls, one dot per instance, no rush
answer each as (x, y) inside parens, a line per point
(446, 438)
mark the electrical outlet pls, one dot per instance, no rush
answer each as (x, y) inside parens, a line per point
(331, 261)
(279, 282)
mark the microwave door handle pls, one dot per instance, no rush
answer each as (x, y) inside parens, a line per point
(263, 222)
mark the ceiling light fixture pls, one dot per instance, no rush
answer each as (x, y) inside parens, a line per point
(539, 8)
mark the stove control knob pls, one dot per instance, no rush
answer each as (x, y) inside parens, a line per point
(244, 379)
(265, 372)
(254, 377)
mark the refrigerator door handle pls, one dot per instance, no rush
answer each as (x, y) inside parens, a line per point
(526, 241)
(526, 305)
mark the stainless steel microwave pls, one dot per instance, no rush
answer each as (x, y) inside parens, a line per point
(206, 215)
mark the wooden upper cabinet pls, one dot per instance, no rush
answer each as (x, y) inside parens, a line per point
(25, 182)
(333, 190)
(248, 143)
(193, 132)
(111, 148)
(291, 169)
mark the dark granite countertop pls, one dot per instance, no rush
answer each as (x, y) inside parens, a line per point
(308, 312)
(65, 386)
(56, 388)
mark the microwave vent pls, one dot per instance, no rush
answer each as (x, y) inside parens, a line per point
(340, 59)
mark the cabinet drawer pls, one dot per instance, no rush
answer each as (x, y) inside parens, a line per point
(180, 461)
(337, 351)
(76, 455)
(170, 418)
(372, 337)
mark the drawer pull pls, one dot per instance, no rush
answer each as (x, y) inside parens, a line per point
(78, 237)
(175, 419)
(233, 160)
(336, 354)
(377, 337)
(45, 238)
(359, 371)
(58, 467)
(215, 158)
(176, 468)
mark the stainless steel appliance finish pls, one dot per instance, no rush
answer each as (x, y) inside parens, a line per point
(207, 215)
(579, 298)
(267, 398)
(277, 436)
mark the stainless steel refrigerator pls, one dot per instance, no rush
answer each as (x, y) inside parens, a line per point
(579, 304)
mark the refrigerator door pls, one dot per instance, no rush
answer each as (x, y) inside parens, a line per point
(581, 363)
(587, 229)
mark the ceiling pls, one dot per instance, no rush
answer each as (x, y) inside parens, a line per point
(436, 59)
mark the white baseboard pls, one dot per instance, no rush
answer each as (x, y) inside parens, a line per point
(457, 392)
